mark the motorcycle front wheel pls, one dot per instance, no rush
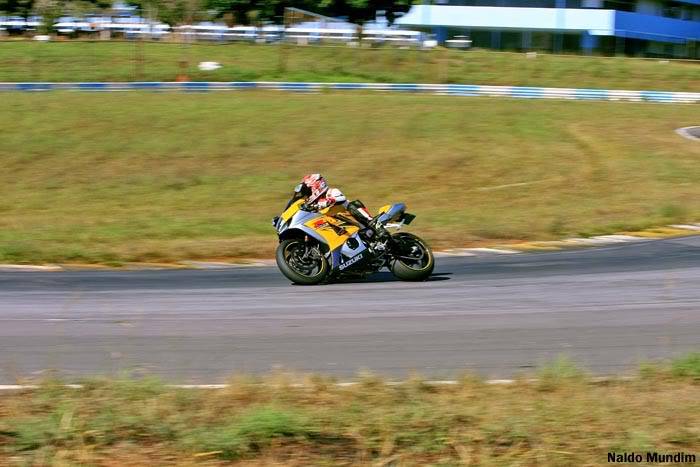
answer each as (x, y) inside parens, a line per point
(414, 260)
(300, 264)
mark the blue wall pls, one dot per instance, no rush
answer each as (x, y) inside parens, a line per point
(654, 28)
(595, 22)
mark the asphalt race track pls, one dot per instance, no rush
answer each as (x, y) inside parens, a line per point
(608, 308)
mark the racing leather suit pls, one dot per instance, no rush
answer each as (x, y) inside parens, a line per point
(358, 210)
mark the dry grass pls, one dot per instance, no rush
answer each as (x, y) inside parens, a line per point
(118, 61)
(562, 420)
(162, 177)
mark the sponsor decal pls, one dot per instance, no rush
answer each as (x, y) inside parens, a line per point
(350, 262)
(320, 223)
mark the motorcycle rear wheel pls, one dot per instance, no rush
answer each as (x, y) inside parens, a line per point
(413, 270)
(314, 271)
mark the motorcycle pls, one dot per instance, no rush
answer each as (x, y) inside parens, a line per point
(317, 246)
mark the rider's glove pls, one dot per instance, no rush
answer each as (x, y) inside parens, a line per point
(323, 204)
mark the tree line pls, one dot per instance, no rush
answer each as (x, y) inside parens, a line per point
(245, 12)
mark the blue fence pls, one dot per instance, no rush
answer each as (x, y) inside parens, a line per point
(440, 89)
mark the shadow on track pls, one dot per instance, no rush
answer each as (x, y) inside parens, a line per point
(389, 277)
(380, 277)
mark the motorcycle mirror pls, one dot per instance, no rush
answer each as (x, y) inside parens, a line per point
(298, 188)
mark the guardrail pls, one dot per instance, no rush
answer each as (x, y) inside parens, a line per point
(440, 89)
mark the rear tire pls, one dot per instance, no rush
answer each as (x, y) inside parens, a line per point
(421, 268)
(283, 257)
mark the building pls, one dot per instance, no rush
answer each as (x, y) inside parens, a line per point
(661, 28)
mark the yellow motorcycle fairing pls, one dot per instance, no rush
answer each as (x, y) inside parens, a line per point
(335, 232)
(291, 210)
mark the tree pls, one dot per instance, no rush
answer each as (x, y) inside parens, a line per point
(172, 12)
(246, 11)
(363, 10)
(51, 10)
(273, 10)
(17, 7)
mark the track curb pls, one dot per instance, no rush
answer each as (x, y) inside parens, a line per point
(457, 90)
(536, 246)
(637, 236)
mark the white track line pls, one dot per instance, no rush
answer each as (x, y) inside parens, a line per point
(686, 227)
(588, 241)
(620, 238)
(605, 239)
(452, 253)
(596, 379)
(496, 251)
(28, 267)
(26, 387)
(220, 265)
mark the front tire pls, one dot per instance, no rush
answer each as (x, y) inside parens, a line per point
(415, 261)
(300, 270)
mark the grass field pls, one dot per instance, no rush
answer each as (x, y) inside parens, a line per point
(120, 61)
(162, 177)
(559, 421)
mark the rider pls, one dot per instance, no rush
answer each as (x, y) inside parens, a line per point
(321, 196)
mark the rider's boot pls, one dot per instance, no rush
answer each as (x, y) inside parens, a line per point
(378, 228)
(373, 230)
